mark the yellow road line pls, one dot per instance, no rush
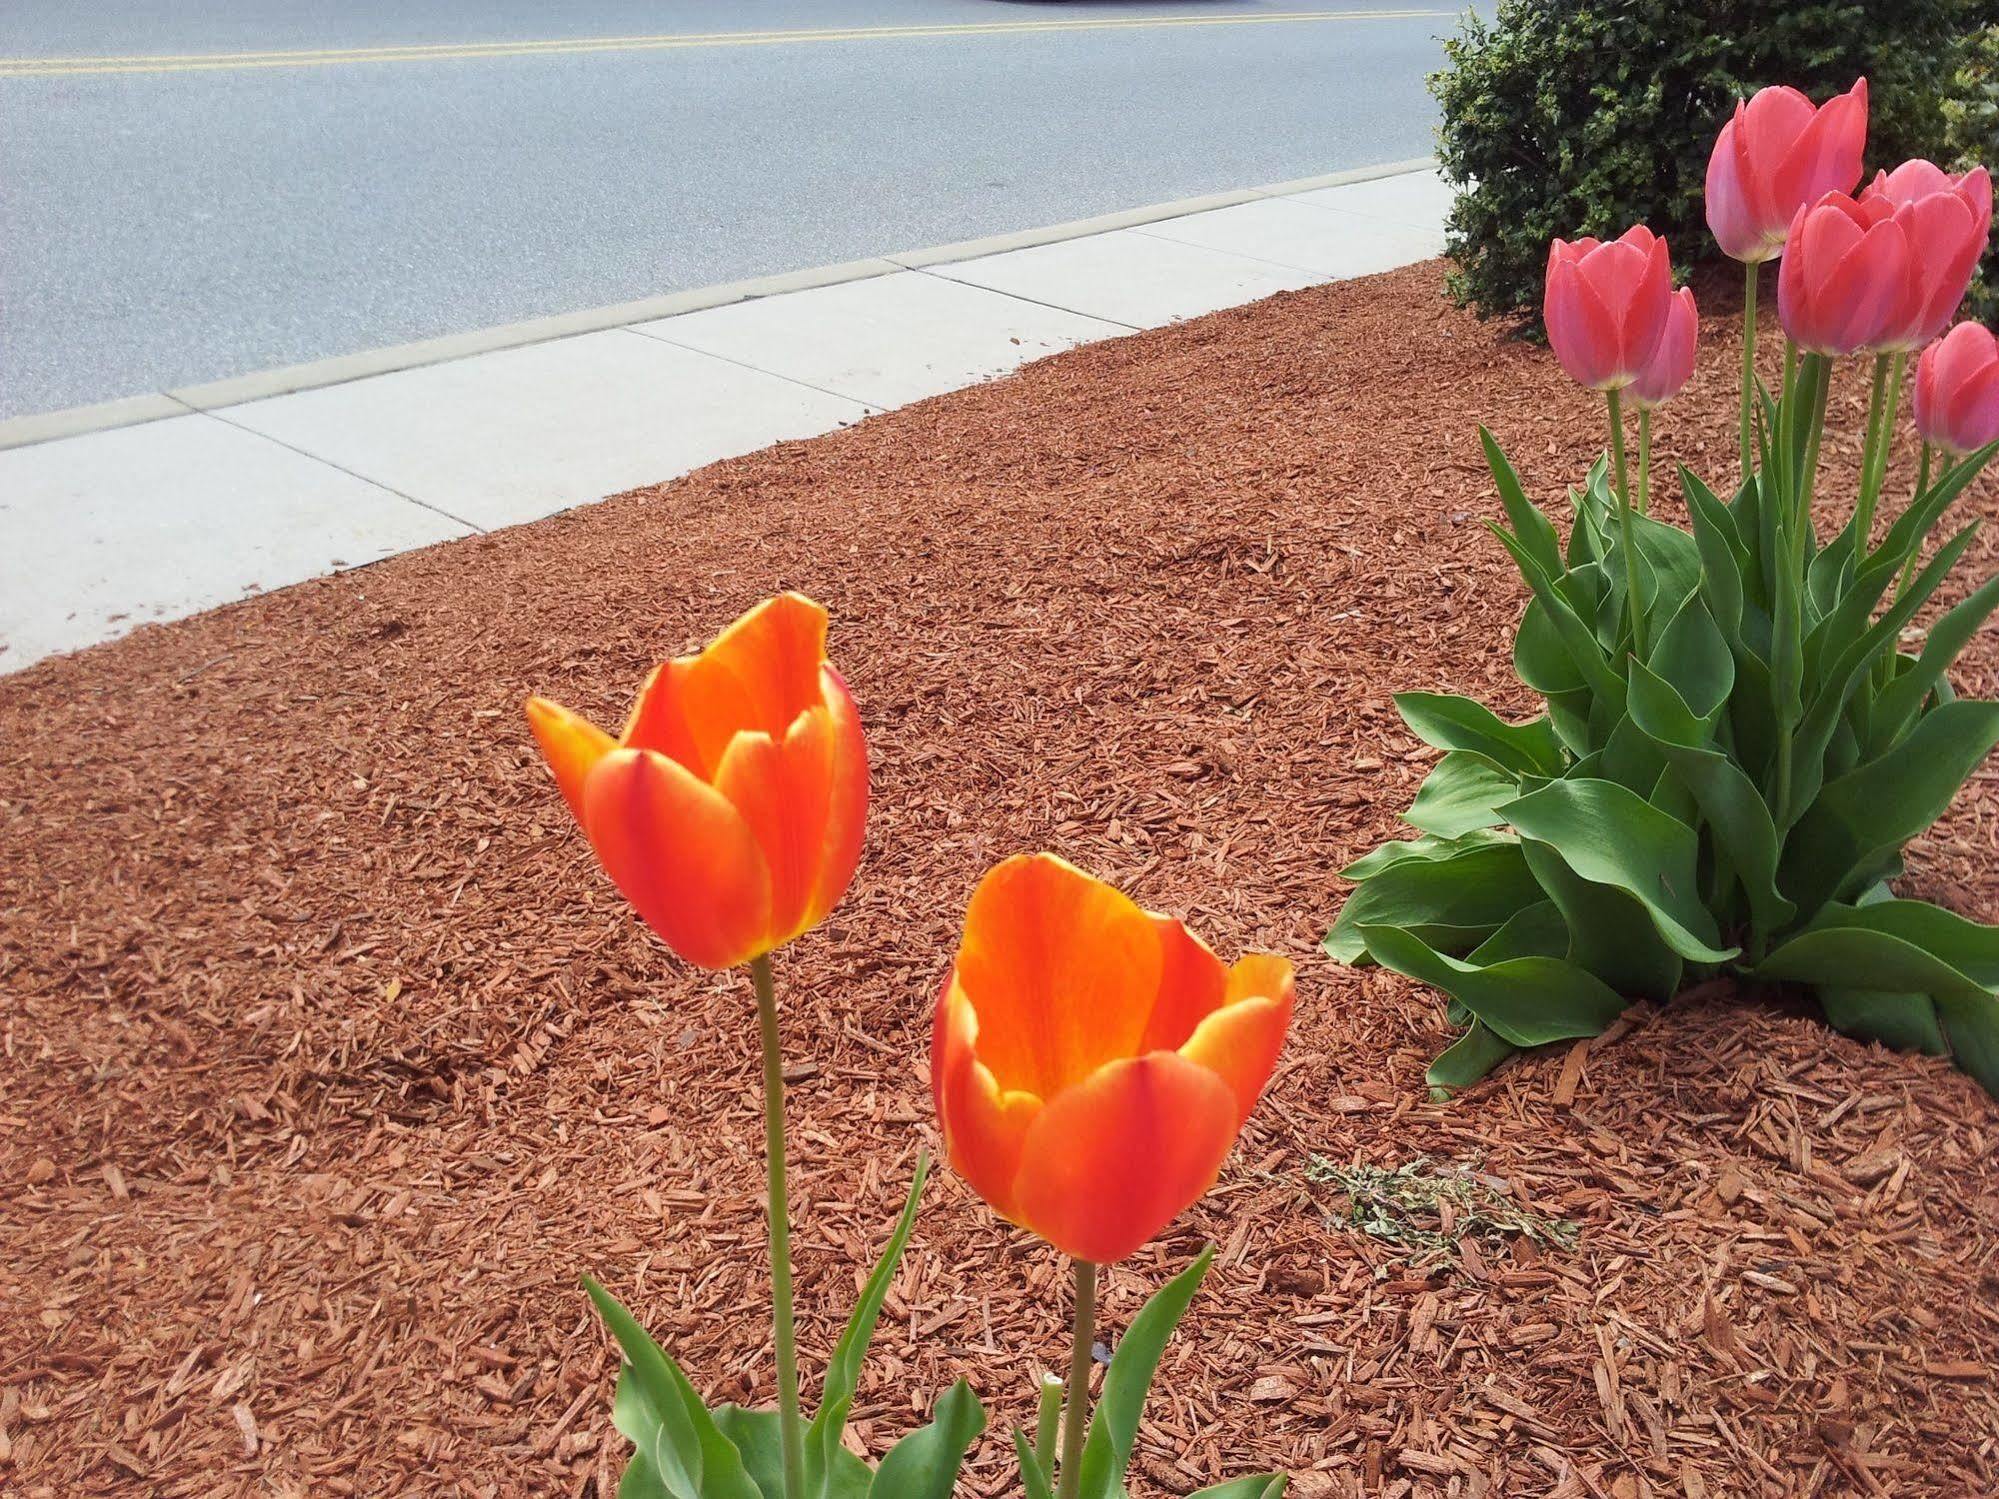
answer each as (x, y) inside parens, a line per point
(69, 67)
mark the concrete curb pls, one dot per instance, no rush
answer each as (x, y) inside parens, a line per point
(128, 411)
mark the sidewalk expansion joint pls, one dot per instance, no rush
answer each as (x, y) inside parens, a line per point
(221, 414)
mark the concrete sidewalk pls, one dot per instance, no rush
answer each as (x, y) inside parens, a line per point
(164, 505)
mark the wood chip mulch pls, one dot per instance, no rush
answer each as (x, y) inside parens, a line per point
(328, 1060)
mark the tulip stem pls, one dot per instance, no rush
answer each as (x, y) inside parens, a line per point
(1644, 460)
(1814, 383)
(1821, 387)
(790, 1430)
(1625, 544)
(1922, 488)
(1867, 447)
(1880, 440)
(1076, 1419)
(1748, 366)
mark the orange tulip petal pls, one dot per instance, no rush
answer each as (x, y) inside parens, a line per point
(784, 793)
(1192, 984)
(1113, 1160)
(847, 799)
(1062, 969)
(570, 744)
(1241, 1040)
(757, 675)
(657, 722)
(985, 1129)
(682, 855)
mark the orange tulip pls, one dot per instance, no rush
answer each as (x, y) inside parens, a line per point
(730, 811)
(1092, 1063)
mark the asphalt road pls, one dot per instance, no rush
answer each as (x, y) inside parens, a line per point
(178, 204)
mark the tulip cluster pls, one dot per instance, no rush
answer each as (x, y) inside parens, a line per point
(1878, 274)
(1736, 748)
(1092, 1062)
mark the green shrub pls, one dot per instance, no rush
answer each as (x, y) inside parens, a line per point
(1723, 780)
(1971, 135)
(1569, 117)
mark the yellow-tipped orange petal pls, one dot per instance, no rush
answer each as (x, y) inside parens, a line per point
(758, 675)
(846, 804)
(1192, 984)
(984, 1128)
(682, 855)
(1062, 970)
(570, 744)
(1240, 1041)
(1113, 1160)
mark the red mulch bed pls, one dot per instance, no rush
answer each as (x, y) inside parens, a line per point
(328, 1060)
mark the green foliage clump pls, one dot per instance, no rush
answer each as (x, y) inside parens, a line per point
(1971, 136)
(1571, 117)
(1735, 749)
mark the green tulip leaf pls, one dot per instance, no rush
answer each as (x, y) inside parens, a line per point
(1468, 1059)
(1787, 654)
(1904, 697)
(1672, 566)
(1533, 529)
(759, 1436)
(641, 1479)
(1907, 1022)
(1723, 559)
(1533, 931)
(1609, 835)
(1694, 657)
(1426, 850)
(925, 1464)
(1594, 507)
(1035, 1481)
(1728, 799)
(1454, 899)
(1855, 663)
(1528, 1001)
(1628, 758)
(1912, 527)
(843, 1371)
(1578, 636)
(1907, 947)
(682, 1448)
(1610, 934)
(1541, 660)
(1459, 795)
(1870, 812)
(1261, 1486)
(1447, 722)
(1114, 1425)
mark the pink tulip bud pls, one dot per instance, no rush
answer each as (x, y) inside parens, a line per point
(1672, 363)
(1957, 390)
(1778, 155)
(1606, 305)
(1947, 221)
(1845, 283)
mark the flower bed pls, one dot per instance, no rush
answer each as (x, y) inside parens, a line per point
(330, 1060)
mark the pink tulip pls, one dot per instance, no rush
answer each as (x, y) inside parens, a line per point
(1845, 283)
(1672, 363)
(1947, 221)
(1606, 305)
(1957, 390)
(1778, 155)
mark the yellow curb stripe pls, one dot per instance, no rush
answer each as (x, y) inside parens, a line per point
(69, 67)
